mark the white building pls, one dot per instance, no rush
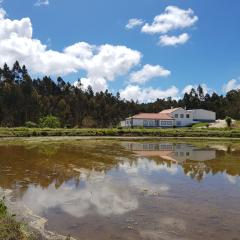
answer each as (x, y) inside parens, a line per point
(178, 117)
(149, 120)
(202, 115)
(179, 153)
(181, 116)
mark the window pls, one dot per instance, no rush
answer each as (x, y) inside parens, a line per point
(187, 116)
(181, 115)
(164, 123)
(149, 123)
(176, 115)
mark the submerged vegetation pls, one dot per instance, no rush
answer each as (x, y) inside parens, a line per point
(26, 102)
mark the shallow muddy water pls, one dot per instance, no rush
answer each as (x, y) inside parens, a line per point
(109, 189)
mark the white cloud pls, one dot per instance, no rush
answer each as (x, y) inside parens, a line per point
(147, 73)
(134, 22)
(204, 86)
(231, 85)
(100, 192)
(134, 92)
(173, 18)
(42, 3)
(101, 63)
(166, 40)
(106, 63)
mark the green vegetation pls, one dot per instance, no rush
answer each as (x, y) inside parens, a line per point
(136, 132)
(26, 102)
(30, 124)
(228, 121)
(10, 229)
(200, 125)
(49, 122)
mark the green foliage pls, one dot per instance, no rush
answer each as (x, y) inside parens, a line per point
(135, 132)
(30, 124)
(228, 121)
(9, 227)
(200, 125)
(3, 208)
(24, 100)
(49, 122)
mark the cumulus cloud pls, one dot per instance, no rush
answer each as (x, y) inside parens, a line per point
(101, 63)
(100, 193)
(134, 92)
(231, 85)
(147, 73)
(172, 19)
(134, 22)
(42, 3)
(166, 40)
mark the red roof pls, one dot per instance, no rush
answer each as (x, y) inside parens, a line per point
(152, 116)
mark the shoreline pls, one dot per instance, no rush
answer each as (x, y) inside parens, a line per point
(116, 133)
(123, 138)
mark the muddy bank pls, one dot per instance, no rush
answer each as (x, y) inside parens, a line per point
(35, 223)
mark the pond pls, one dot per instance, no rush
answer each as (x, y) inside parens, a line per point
(127, 189)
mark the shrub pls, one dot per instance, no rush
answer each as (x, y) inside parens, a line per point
(228, 121)
(30, 124)
(49, 122)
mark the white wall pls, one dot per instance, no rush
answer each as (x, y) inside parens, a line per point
(182, 121)
(147, 123)
(203, 115)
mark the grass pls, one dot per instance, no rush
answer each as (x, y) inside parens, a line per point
(10, 229)
(136, 132)
(200, 125)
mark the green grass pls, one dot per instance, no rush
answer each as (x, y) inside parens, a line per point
(200, 125)
(10, 229)
(136, 132)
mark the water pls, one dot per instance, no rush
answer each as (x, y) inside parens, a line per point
(109, 189)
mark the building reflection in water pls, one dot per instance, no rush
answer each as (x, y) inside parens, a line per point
(178, 153)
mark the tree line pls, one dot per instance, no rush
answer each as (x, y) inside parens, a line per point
(25, 99)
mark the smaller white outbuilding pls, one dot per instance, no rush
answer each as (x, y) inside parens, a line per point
(202, 115)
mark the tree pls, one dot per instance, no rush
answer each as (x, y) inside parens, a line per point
(49, 122)
(228, 121)
(24, 99)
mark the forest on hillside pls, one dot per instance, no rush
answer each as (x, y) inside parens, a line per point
(24, 99)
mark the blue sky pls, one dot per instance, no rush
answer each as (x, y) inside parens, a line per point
(209, 55)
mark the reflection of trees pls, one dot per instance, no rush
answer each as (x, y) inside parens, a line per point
(225, 162)
(53, 163)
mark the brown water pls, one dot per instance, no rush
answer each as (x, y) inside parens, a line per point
(108, 189)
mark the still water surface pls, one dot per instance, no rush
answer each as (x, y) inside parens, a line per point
(109, 189)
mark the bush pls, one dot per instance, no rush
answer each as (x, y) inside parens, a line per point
(30, 124)
(228, 121)
(49, 122)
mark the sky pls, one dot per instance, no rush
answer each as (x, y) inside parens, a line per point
(144, 49)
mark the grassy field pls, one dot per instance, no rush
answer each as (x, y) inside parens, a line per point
(137, 132)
